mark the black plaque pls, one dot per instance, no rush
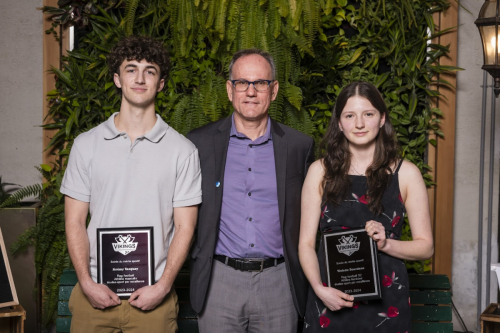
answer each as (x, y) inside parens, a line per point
(125, 259)
(352, 263)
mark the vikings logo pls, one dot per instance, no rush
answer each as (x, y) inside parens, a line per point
(124, 244)
(348, 245)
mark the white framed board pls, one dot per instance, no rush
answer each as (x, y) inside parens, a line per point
(8, 295)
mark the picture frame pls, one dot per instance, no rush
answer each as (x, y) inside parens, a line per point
(8, 295)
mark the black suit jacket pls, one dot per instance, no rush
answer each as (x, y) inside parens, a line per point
(293, 153)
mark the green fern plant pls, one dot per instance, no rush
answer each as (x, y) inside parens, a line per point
(12, 197)
(130, 11)
(4, 192)
(23, 193)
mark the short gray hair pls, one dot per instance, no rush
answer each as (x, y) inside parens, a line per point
(245, 52)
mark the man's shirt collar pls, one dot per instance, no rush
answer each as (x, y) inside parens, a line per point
(264, 138)
(154, 135)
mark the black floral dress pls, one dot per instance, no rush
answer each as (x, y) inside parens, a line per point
(392, 312)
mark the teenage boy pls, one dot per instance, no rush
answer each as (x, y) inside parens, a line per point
(132, 170)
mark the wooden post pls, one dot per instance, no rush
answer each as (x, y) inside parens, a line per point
(52, 52)
(442, 158)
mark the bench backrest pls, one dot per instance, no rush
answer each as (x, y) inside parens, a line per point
(430, 297)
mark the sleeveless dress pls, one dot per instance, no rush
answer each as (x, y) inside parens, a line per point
(392, 312)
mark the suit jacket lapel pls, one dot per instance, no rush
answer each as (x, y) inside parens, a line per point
(280, 155)
(221, 142)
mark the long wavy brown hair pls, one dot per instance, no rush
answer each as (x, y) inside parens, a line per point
(337, 156)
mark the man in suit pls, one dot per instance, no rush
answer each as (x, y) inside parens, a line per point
(246, 275)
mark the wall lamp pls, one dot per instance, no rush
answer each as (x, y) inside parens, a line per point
(487, 23)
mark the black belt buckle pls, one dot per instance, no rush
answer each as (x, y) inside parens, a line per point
(256, 260)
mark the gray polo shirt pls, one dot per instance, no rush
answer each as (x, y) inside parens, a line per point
(130, 185)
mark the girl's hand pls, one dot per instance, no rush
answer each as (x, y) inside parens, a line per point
(376, 231)
(334, 299)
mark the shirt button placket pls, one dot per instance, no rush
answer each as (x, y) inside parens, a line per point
(134, 144)
(250, 177)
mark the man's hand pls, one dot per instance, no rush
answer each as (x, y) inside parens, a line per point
(100, 296)
(149, 297)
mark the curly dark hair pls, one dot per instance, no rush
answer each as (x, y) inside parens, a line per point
(337, 157)
(139, 48)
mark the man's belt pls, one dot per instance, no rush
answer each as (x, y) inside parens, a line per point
(249, 265)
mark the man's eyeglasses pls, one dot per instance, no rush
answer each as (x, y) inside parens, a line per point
(259, 85)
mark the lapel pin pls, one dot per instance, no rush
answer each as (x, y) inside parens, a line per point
(217, 184)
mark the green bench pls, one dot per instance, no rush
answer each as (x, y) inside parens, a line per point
(430, 303)
(66, 284)
(430, 297)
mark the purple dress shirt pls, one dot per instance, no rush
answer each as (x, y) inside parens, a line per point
(249, 222)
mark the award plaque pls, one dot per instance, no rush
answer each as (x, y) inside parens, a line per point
(125, 259)
(352, 263)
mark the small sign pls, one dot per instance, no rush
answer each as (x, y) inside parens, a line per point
(125, 259)
(8, 295)
(352, 263)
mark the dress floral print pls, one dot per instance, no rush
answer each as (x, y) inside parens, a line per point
(392, 312)
(389, 281)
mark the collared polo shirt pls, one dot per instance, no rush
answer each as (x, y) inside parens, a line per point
(250, 224)
(133, 184)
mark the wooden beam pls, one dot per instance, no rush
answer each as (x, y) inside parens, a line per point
(52, 52)
(445, 152)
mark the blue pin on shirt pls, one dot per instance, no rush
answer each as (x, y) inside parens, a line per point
(217, 184)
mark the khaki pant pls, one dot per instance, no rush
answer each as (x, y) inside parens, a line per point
(123, 317)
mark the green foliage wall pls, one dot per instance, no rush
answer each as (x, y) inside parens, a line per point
(319, 46)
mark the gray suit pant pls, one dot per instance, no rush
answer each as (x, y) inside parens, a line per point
(250, 302)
